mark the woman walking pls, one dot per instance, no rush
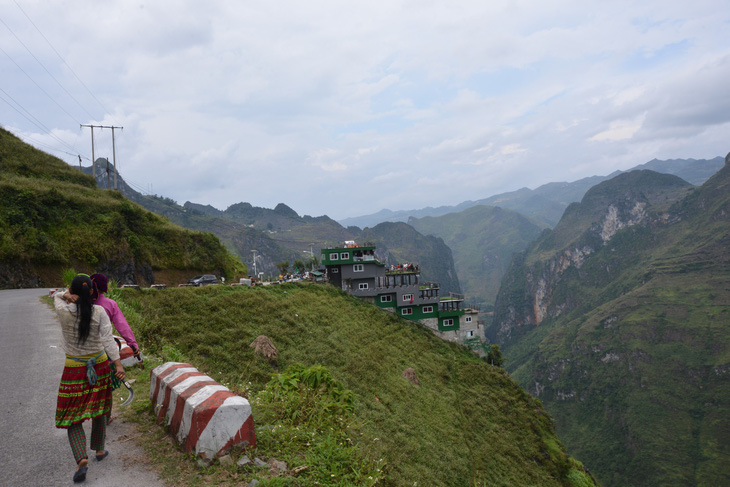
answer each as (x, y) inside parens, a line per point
(119, 322)
(85, 391)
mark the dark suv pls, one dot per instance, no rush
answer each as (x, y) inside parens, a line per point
(203, 280)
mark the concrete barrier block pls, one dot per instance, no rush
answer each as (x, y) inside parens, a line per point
(201, 414)
(125, 352)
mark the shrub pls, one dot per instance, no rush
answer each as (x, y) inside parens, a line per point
(302, 395)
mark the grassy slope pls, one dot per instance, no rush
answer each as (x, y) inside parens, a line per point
(467, 423)
(52, 215)
(638, 376)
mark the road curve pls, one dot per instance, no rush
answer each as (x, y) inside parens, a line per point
(33, 451)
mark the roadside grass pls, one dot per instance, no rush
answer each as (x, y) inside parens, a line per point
(466, 423)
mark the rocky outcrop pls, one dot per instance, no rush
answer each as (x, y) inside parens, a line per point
(528, 294)
(613, 222)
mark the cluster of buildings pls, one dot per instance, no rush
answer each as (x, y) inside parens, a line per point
(399, 289)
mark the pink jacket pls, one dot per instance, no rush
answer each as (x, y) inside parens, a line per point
(117, 318)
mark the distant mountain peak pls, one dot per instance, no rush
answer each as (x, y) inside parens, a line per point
(285, 210)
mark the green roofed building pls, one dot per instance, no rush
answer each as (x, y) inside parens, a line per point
(399, 289)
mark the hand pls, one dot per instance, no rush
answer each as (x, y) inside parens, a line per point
(69, 298)
(138, 354)
(119, 370)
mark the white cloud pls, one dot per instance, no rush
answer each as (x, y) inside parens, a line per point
(216, 97)
(511, 149)
(619, 130)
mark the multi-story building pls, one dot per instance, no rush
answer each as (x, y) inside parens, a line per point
(399, 289)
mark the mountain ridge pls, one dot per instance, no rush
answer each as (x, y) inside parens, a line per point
(617, 321)
(547, 202)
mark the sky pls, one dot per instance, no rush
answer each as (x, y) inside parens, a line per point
(345, 108)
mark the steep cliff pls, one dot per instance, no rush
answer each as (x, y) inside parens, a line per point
(531, 291)
(617, 320)
(483, 240)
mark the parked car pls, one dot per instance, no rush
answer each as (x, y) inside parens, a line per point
(203, 280)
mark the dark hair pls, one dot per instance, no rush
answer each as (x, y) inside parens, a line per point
(82, 287)
(100, 284)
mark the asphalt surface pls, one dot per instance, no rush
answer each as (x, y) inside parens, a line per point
(33, 452)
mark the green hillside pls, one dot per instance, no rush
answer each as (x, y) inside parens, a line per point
(465, 423)
(52, 217)
(482, 240)
(618, 321)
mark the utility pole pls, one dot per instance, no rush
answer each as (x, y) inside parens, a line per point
(114, 156)
(254, 262)
(114, 150)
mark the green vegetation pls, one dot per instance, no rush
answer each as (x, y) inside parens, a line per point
(336, 400)
(632, 357)
(483, 240)
(54, 217)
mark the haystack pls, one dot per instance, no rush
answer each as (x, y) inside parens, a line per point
(264, 347)
(410, 374)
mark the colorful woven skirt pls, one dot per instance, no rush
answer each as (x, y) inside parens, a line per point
(77, 399)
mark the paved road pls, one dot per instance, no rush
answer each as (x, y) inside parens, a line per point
(32, 451)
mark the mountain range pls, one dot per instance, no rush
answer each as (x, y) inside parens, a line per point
(280, 234)
(546, 203)
(617, 320)
(482, 240)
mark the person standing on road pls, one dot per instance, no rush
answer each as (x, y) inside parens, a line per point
(112, 310)
(85, 390)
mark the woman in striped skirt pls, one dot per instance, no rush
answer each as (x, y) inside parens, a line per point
(85, 391)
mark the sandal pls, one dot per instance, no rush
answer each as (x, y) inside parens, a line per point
(102, 456)
(80, 474)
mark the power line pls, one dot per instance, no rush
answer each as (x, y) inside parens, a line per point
(46, 69)
(39, 86)
(48, 147)
(34, 120)
(64, 61)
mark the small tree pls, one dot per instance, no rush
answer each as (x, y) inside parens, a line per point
(283, 267)
(494, 356)
(298, 266)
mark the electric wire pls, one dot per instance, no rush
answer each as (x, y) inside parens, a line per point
(46, 69)
(37, 143)
(39, 87)
(84, 108)
(33, 119)
(65, 63)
